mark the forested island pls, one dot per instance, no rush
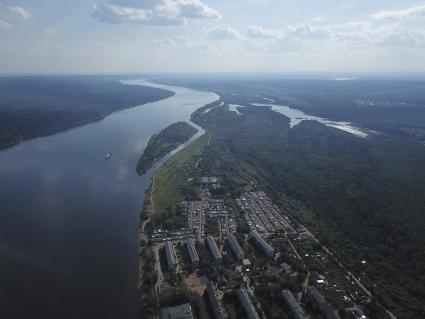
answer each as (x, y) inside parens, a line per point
(37, 106)
(163, 143)
(390, 105)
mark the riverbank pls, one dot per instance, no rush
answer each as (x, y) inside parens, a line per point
(55, 104)
(160, 209)
(165, 189)
(163, 143)
(69, 188)
(258, 147)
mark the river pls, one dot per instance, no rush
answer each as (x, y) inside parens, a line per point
(69, 218)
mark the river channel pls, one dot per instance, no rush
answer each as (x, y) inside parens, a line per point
(69, 217)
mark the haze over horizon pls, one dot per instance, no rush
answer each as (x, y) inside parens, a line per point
(92, 36)
(212, 159)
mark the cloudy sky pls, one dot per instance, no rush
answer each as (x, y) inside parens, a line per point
(92, 36)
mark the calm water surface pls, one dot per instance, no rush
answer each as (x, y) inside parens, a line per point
(69, 213)
(297, 116)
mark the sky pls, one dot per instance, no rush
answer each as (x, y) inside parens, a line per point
(121, 36)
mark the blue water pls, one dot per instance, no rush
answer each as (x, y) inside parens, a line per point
(67, 212)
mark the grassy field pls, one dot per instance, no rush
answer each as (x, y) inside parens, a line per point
(170, 186)
(174, 183)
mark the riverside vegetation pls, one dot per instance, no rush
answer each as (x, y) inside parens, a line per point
(37, 106)
(363, 198)
(163, 143)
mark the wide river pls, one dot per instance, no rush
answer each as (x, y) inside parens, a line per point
(69, 218)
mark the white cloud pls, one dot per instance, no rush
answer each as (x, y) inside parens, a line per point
(263, 33)
(410, 13)
(153, 12)
(356, 25)
(307, 31)
(111, 13)
(20, 13)
(355, 40)
(163, 42)
(297, 32)
(224, 32)
(382, 36)
(4, 25)
(145, 4)
(182, 43)
(348, 36)
(195, 9)
(414, 38)
(374, 32)
(193, 45)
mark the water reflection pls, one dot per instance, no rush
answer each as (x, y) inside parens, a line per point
(297, 116)
(76, 215)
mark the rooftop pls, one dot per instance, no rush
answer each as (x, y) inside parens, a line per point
(169, 254)
(235, 247)
(183, 311)
(268, 250)
(246, 302)
(297, 310)
(214, 248)
(193, 254)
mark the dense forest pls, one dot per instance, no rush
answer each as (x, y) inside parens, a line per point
(365, 197)
(38, 106)
(163, 143)
(395, 106)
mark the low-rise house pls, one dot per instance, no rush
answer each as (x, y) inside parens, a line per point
(183, 311)
(209, 180)
(246, 264)
(285, 268)
(358, 314)
(160, 235)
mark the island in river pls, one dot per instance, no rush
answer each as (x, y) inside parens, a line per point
(163, 143)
